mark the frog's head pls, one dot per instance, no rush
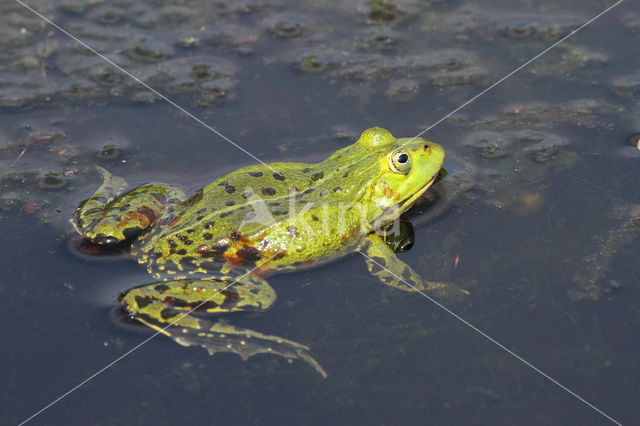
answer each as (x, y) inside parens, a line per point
(407, 167)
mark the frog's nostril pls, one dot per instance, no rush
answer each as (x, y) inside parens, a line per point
(426, 147)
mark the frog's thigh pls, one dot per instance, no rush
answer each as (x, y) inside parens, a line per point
(384, 264)
(165, 301)
(109, 218)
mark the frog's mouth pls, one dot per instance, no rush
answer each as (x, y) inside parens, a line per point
(406, 204)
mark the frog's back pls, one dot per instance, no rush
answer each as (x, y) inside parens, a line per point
(245, 215)
(214, 214)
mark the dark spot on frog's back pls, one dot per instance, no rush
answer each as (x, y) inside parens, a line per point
(230, 189)
(149, 213)
(230, 203)
(185, 240)
(211, 266)
(230, 297)
(305, 170)
(161, 288)
(203, 306)
(305, 192)
(167, 313)
(177, 302)
(279, 176)
(268, 191)
(255, 174)
(225, 214)
(248, 254)
(317, 176)
(143, 302)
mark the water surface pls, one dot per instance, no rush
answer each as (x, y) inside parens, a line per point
(540, 208)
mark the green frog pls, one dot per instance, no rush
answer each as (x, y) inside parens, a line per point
(212, 251)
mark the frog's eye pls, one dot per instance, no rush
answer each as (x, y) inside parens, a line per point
(400, 161)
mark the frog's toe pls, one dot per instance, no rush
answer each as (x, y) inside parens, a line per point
(223, 337)
(445, 291)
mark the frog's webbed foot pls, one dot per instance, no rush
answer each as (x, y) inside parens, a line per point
(385, 265)
(168, 307)
(223, 337)
(109, 217)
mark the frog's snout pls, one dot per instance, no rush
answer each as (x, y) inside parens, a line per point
(426, 147)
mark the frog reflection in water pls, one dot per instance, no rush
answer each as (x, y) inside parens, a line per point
(212, 251)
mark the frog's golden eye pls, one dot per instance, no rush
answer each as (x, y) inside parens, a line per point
(400, 161)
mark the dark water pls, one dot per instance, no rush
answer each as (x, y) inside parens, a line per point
(540, 208)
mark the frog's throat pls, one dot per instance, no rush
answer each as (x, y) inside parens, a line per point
(406, 204)
(394, 213)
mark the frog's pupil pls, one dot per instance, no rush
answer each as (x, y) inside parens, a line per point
(402, 158)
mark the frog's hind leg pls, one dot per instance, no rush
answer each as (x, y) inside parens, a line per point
(171, 308)
(109, 217)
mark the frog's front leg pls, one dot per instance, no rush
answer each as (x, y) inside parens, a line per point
(109, 217)
(171, 307)
(384, 264)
